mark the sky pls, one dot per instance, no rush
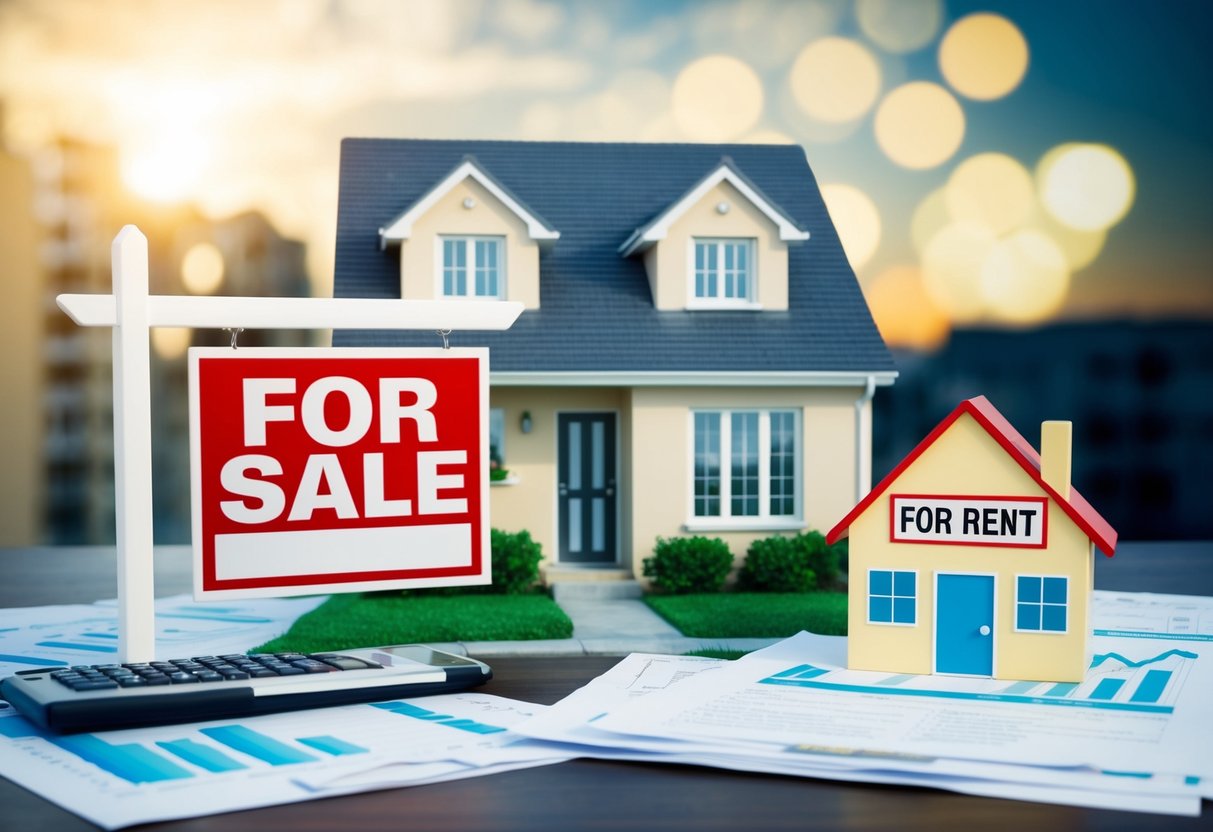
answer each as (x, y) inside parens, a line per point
(996, 163)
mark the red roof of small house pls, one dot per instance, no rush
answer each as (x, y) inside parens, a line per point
(1095, 527)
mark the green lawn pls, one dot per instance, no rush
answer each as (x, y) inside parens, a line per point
(753, 614)
(377, 619)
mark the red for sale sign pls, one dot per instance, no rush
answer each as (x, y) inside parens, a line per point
(338, 470)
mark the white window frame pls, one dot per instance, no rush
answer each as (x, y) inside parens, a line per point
(1040, 631)
(719, 301)
(892, 596)
(468, 242)
(764, 519)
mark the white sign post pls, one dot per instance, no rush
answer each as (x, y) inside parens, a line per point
(132, 312)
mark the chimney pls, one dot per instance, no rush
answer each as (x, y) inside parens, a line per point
(1055, 448)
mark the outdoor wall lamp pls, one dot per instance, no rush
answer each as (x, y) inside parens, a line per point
(525, 424)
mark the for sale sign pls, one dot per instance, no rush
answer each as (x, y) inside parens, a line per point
(338, 470)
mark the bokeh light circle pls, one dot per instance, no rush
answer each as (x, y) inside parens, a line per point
(171, 342)
(951, 269)
(899, 26)
(855, 217)
(983, 56)
(202, 269)
(929, 218)
(919, 125)
(1088, 187)
(1079, 247)
(1025, 278)
(717, 98)
(992, 189)
(835, 80)
(905, 314)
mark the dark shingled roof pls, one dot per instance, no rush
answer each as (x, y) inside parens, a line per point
(597, 312)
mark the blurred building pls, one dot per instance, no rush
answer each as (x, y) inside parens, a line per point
(1139, 395)
(21, 368)
(78, 206)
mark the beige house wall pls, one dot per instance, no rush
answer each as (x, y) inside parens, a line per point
(654, 440)
(661, 454)
(670, 263)
(421, 254)
(966, 453)
(527, 500)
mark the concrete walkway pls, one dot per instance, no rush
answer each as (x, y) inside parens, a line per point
(607, 621)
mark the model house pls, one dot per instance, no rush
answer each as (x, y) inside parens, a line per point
(975, 556)
(695, 355)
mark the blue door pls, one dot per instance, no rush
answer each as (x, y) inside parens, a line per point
(964, 624)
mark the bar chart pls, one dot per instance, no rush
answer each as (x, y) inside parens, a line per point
(140, 774)
(1149, 684)
(182, 752)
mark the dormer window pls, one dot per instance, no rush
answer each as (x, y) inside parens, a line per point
(722, 245)
(724, 272)
(473, 267)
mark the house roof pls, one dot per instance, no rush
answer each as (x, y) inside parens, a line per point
(1095, 527)
(401, 228)
(656, 229)
(596, 310)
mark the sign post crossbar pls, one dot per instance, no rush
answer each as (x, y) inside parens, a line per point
(131, 312)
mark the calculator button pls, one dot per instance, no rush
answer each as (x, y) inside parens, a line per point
(345, 662)
(208, 676)
(131, 681)
(104, 684)
(158, 679)
(181, 677)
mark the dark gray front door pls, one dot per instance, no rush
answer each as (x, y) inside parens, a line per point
(586, 487)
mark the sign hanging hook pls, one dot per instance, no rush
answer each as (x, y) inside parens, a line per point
(446, 345)
(235, 331)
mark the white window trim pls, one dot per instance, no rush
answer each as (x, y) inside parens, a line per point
(1041, 603)
(867, 613)
(749, 303)
(764, 520)
(469, 241)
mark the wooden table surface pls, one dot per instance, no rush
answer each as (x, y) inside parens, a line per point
(598, 795)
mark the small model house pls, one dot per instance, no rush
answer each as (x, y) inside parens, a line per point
(694, 357)
(975, 556)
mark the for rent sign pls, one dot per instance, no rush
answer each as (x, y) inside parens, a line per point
(338, 470)
(970, 521)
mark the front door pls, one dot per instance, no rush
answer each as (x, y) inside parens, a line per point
(586, 487)
(964, 624)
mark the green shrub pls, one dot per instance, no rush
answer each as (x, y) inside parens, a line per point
(515, 560)
(800, 563)
(823, 559)
(776, 564)
(689, 564)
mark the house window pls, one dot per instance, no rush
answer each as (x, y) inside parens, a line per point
(745, 464)
(472, 267)
(496, 440)
(892, 597)
(724, 271)
(1040, 603)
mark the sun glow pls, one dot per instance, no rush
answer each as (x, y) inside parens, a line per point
(170, 168)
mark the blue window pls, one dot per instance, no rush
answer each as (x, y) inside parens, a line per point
(472, 267)
(724, 270)
(745, 464)
(892, 597)
(1041, 603)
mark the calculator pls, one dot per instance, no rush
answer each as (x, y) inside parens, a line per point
(104, 696)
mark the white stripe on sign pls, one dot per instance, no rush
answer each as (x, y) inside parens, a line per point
(341, 551)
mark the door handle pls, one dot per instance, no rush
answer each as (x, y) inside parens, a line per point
(984, 629)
